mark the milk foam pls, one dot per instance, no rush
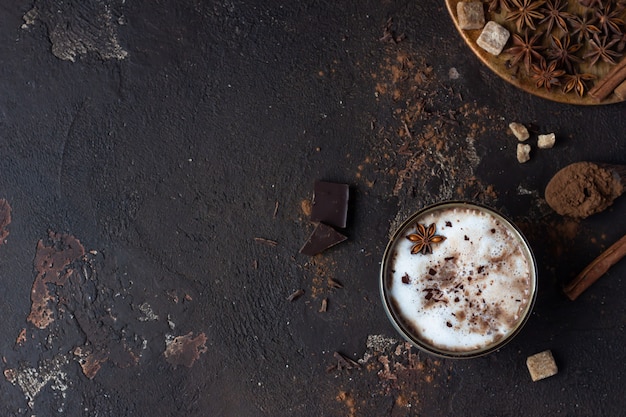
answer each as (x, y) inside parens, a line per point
(471, 291)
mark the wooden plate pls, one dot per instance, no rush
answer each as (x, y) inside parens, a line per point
(517, 75)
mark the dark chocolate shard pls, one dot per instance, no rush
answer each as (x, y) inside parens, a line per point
(322, 238)
(330, 203)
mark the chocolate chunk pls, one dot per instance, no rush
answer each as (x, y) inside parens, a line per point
(322, 238)
(330, 203)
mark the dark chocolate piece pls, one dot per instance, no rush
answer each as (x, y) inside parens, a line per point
(330, 203)
(322, 238)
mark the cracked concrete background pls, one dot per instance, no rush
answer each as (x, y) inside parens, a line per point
(158, 162)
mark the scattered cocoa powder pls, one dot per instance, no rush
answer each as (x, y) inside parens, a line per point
(582, 189)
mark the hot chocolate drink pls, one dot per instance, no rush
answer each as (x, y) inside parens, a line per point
(458, 279)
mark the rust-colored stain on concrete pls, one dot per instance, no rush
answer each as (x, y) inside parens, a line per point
(71, 305)
(90, 361)
(184, 350)
(52, 261)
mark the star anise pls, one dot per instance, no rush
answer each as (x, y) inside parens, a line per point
(524, 13)
(423, 238)
(556, 14)
(561, 51)
(546, 75)
(576, 81)
(621, 41)
(583, 26)
(590, 3)
(524, 49)
(610, 19)
(600, 48)
(497, 5)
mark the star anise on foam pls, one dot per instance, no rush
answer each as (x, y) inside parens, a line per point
(546, 75)
(497, 5)
(610, 19)
(562, 52)
(583, 27)
(423, 238)
(576, 82)
(524, 49)
(556, 14)
(600, 48)
(524, 13)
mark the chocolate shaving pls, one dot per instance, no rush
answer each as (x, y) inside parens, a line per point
(295, 295)
(344, 362)
(266, 241)
(334, 284)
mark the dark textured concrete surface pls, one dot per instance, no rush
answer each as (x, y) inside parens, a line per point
(176, 142)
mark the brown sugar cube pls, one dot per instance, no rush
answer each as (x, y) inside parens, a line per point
(546, 141)
(471, 15)
(523, 153)
(519, 131)
(493, 38)
(541, 365)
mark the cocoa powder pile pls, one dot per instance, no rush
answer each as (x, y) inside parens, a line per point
(582, 189)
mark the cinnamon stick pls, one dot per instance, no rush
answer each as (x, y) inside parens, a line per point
(612, 79)
(596, 269)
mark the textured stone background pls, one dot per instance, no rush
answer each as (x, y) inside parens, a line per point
(178, 142)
